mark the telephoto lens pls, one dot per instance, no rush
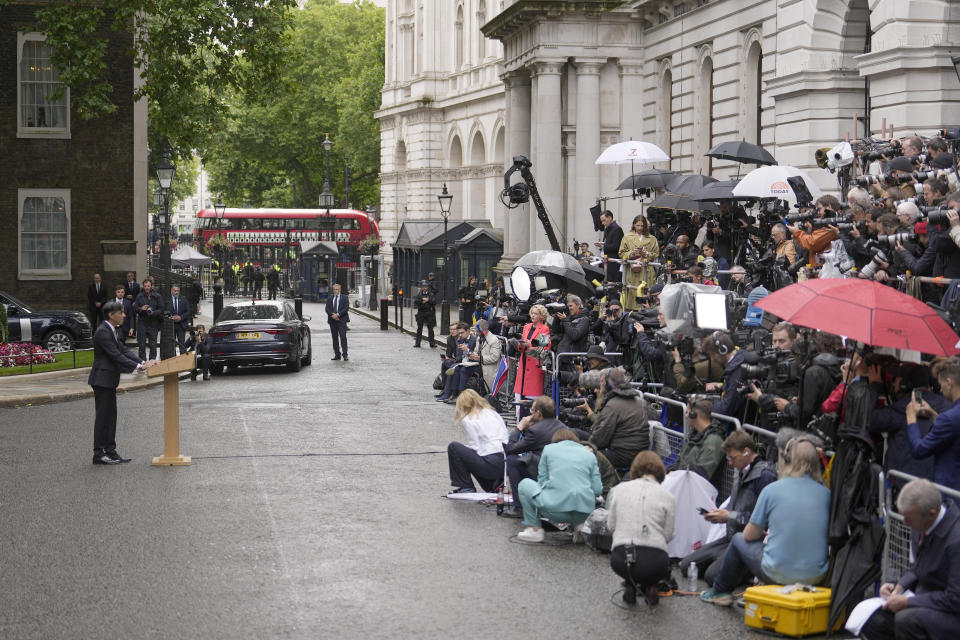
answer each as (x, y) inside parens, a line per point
(871, 268)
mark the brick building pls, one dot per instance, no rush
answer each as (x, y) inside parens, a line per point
(68, 187)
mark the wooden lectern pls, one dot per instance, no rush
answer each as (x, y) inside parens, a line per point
(170, 370)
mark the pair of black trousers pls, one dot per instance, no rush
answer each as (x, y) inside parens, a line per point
(338, 330)
(464, 462)
(520, 467)
(147, 334)
(105, 423)
(912, 623)
(420, 325)
(648, 568)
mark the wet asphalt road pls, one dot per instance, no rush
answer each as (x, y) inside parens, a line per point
(312, 509)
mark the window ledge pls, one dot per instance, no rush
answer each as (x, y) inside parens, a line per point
(36, 133)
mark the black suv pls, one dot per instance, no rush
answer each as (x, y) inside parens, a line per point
(54, 330)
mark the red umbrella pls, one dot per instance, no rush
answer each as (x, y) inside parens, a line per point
(863, 310)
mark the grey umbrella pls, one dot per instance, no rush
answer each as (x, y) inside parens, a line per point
(687, 185)
(741, 151)
(649, 179)
(681, 202)
(720, 190)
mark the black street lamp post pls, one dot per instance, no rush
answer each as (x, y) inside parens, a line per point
(165, 173)
(219, 208)
(446, 199)
(327, 222)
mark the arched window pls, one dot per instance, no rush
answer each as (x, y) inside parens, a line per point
(458, 36)
(498, 146)
(455, 161)
(665, 112)
(481, 41)
(703, 116)
(752, 90)
(478, 187)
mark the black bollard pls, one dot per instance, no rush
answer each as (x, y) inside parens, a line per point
(384, 314)
(168, 344)
(298, 306)
(217, 302)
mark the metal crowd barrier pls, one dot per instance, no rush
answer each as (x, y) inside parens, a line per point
(896, 547)
(674, 403)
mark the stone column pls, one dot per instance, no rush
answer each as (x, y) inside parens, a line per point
(587, 184)
(516, 227)
(547, 166)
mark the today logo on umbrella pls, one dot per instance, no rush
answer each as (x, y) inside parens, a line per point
(780, 188)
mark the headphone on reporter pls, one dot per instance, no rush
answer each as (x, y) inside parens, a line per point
(722, 347)
(793, 442)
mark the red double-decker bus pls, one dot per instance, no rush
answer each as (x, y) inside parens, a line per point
(260, 235)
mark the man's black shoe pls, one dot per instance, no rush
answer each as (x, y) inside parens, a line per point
(206, 375)
(512, 512)
(629, 593)
(113, 455)
(335, 358)
(345, 358)
(416, 345)
(102, 458)
(433, 346)
(651, 596)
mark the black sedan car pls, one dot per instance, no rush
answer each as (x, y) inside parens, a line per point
(260, 332)
(54, 330)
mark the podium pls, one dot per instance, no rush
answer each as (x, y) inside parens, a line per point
(170, 369)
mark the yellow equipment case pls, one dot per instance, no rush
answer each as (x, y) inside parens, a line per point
(793, 610)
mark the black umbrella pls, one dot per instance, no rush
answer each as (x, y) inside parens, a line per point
(688, 184)
(720, 190)
(855, 535)
(649, 179)
(742, 152)
(681, 202)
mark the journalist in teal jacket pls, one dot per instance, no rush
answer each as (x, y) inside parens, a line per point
(566, 487)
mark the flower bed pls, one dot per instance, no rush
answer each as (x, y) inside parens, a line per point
(15, 354)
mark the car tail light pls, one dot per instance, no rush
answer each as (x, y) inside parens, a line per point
(219, 334)
(278, 332)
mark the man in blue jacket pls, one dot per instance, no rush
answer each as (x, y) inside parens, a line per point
(934, 576)
(110, 358)
(943, 439)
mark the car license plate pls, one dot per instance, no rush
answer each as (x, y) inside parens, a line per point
(249, 335)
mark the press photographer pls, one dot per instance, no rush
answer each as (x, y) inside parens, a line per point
(774, 379)
(570, 330)
(815, 239)
(942, 255)
(619, 425)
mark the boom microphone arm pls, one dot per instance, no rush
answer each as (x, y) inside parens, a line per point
(520, 193)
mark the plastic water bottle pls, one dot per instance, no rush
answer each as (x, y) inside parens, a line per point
(692, 577)
(500, 501)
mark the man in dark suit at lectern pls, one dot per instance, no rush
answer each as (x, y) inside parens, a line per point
(338, 315)
(110, 358)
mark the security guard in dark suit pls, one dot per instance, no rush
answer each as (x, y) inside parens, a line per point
(110, 358)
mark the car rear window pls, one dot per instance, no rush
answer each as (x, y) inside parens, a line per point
(251, 312)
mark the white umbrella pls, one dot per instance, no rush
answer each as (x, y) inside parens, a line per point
(779, 182)
(632, 151)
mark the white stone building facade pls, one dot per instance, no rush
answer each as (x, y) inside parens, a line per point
(559, 80)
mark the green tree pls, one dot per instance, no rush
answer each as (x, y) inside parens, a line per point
(192, 54)
(270, 151)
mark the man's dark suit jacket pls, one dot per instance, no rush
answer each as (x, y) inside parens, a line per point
(131, 289)
(109, 358)
(934, 576)
(343, 308)
(93, 297)
(183, 310)
(128, 322)
(537, 436)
